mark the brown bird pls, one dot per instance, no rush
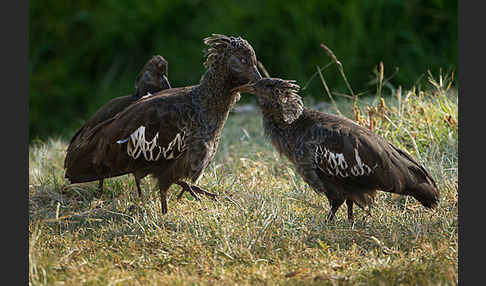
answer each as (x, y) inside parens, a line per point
(334, 155)
(174, 133)
(152, 78)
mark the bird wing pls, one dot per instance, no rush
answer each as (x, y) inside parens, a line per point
(152, 127)
(345, 151)
(414, 165)
(106, 111)
(147, 132)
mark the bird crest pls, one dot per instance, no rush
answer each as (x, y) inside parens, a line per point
(277, 96)
(219, 45)
(290, 102)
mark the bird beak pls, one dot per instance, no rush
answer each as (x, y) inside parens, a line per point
(255, 75)
(166, 82)
(244, 88)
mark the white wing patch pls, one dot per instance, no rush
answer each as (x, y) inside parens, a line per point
(147, 95)
(137, 144)
(334, 164)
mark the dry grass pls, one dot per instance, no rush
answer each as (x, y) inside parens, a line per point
(267, 228)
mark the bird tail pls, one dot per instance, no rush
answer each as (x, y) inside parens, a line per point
(418, 182)
(423, 188)
(83, 162)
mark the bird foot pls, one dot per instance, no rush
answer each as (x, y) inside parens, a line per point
(193, 189)
(204, 192)
(187, 188)
(330, 217)
(351, 220)
(368, 212)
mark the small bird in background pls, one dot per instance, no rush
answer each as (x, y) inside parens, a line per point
(334, 155)
(173, 134)
(152, 78)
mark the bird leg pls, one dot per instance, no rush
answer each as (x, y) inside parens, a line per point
(335, 204)
(186, 187)
(163, 187)
(165, 179)
(330, 215)
(192, 189)
(100, 187)
(349, 203)
(163, 200)
(368, 211)
(139, 190)
(139, 175)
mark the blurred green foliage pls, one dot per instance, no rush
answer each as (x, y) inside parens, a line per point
(82, 53)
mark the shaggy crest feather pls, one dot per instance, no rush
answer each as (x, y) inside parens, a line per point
(219, 44)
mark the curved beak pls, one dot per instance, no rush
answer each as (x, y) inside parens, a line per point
(254, 74)
(244, 88)
(166, 83)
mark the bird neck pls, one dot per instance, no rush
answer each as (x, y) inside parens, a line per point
(214, 99)
(272, 113)
(282, 135)
(214, 94)
(277, 125)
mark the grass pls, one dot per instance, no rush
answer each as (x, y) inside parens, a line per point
(268, 227)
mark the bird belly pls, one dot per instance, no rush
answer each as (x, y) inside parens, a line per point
(199, 157)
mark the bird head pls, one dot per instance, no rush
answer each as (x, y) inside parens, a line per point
(235, 55)
(153, 77)
(277, 96)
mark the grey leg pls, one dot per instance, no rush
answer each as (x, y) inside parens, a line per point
(350, 210)
(139, 189)
(100, 187)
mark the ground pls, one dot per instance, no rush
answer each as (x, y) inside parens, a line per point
(267, 227)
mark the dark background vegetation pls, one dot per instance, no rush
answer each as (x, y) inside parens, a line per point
(82, 53)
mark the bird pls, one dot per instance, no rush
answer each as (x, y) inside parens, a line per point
(174, 134)
(334, 155)
(152, 78)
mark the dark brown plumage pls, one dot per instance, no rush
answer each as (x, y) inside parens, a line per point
(172, 134)
(152, 78)
(336, 156)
